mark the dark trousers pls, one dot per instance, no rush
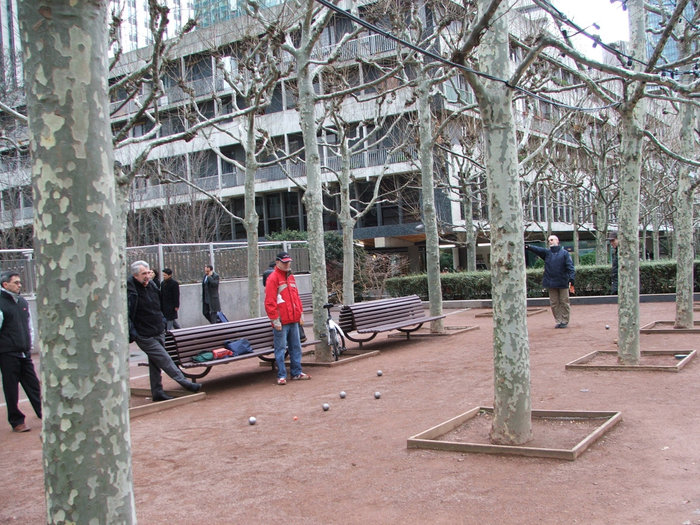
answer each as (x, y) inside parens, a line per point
(159, 359)
(210, 315)
(18, 369)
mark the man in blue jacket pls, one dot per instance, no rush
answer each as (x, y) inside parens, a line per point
(558, 278)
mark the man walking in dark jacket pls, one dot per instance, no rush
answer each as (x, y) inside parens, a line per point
(170, 299)
(558, 278)
(15, 351)
(146, 327)
(210, 294)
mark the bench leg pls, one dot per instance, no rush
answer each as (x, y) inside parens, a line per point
(194, 377)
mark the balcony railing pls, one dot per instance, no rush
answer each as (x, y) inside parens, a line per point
(235, 178)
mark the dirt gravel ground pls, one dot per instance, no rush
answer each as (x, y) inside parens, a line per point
(203, 463)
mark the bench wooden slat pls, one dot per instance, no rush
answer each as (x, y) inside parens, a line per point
(384, 315)
(396, 326)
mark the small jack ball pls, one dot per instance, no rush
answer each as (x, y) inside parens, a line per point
(342, 394)
(607, 327)
(379, 372)
(326, 406)
(252, 420)
(377, 395)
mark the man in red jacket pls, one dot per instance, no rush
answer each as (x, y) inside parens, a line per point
(283, 307)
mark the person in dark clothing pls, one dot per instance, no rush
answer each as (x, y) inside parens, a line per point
(266, 273)
(558, 278)
(16, 363)
(170, 299)
(146, 327)
(613, 271)
(210, 294)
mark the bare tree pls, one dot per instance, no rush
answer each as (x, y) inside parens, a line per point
(86, 444)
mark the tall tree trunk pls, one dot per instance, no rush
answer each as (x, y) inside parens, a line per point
(601, 214)
(631, 124)
(432, 240)
(82, 305)
(313, 198)
(512, 422)
(251, 221)
(470, 242)
(347, 223)
(683, 222)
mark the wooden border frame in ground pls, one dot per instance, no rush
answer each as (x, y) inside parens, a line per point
(429, 438)
(425, 332)
(180, 398)
(534, 310)
(582, 363)
(666, 327)
(348, 356)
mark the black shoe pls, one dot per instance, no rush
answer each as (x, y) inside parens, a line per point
(162, 397)
(192, 387)
(563, 325)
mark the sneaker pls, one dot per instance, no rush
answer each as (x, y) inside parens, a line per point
(563, 325)
(281, 381)
(21, 428)
(301, 377)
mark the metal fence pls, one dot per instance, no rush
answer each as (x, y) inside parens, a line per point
(229, 260)
(186, 260)
(22, 262)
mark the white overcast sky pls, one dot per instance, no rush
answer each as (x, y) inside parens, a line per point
(610, 17)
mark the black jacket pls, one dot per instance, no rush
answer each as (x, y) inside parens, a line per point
(210, 292)
(14, 334)
(145, 317)
(169, 298)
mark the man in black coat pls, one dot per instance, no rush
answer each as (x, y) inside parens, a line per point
(558, 278)
(170, 299)
(147, 327)
(210, 294)
(15, 351)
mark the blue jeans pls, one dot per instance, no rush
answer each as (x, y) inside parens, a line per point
(288, 337)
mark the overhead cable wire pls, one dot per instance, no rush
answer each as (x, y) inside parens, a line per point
(610, 48)
(439, 58)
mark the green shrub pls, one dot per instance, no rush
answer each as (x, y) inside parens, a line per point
(655, 277)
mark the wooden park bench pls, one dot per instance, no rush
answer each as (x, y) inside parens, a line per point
(186, 343)
(383, 315)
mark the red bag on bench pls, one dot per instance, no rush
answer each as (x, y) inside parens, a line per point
(221, 352)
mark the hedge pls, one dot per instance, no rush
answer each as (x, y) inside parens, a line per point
(655, 277)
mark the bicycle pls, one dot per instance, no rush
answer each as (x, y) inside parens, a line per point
(336, 337)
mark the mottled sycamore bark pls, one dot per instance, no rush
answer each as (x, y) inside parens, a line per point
(512, 422)
(313, 197)
(251, 219)
(632, 114)
(432, 240)
(81, 300)
(683, 220)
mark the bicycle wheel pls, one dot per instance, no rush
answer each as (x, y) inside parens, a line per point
(333, 338)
